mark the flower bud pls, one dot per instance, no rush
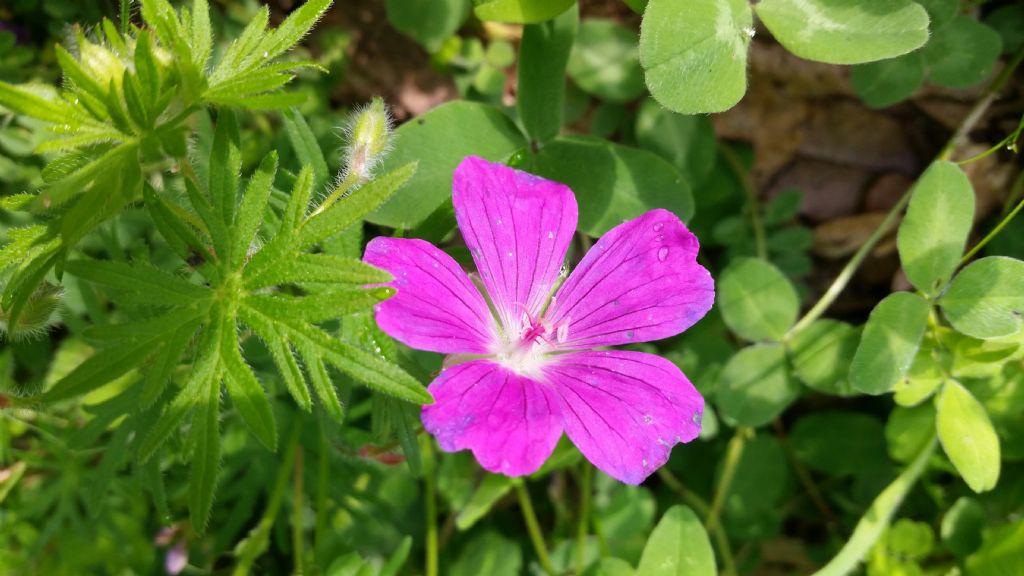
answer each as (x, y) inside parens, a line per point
(100, 63)
(369, 135)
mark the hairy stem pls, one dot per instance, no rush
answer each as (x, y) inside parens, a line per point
(526, 506)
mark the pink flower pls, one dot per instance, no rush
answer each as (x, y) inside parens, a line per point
(529, 361)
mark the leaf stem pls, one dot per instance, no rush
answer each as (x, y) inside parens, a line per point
(878, 516)
(1002, 224)
(297, 542)
(732, 458)
(582, 528)
(430, 488)
(846, 274)
(721, 540)
(526, 506)
(760, 244)
(350, 181)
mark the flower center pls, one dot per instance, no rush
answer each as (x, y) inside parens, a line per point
(524, 349)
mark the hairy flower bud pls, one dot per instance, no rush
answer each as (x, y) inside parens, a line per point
(100, 63)
(369, 134)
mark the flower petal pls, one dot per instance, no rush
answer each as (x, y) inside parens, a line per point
(640, 282)
(518, 227)
(625, 410)
(511, 423)
(436, 306)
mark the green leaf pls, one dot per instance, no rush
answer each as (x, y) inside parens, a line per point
(305, 146)
(821, 355)
(298, 203)
(909, 430)
(322, 385)
(605, 61)
(678, 546)
(877, 517)
(27, 102)
(688, 142)
(291, 31)
(1000, 554)
(251, 210)
(246, 393)
(439, 140)
(265, 101)
(225, 165)
(839, 443)
(173, 345)
(924, 377)
(756, 300)
(493, 488)
(78, 76)
(320, 268)
(321, 306)
(889, 342)
(543, 55)
(202, 34)
(934, 232)
(986, 299)
(968, 437)
(613, 183)
(611, 566)
(520, 11)
(178, 234)
(1008, 21)
(962, 54)
(146, 67)
(160, 287)
(755, 385)
(100, 368)
(205, 375)
(358, 204)
(845, 31)
(962, 525)
(429, 22)
(694, 53)
(489, 553)
(886, 82)
(205, 441)
(940, 12)
(281, 352)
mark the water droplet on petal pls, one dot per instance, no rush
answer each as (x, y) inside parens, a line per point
(662, 254)
(436, 265)
(551, 235)
(644, 462)
(659, 238)
(499, 221)
(648, 419)
(630, 334)
(697, 418)
(659, 226)
(615, 302)
(510, 254)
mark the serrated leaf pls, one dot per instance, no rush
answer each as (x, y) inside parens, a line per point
(205, 374)
(78, 182)
(146, 67)
(845, 31)
(77, 75)
(322, 385)
(159, 286)
(178, 234)
(294, 27)
(205, 441)
(254, 82)
(265, 101)
(298, 202)
(22, 101)
(246, 393)
(326, 305)
(305, 146)
(320, 268)
(934, 232)
(250, 212)
(889, 342)
(694, 53)
(355, 206)
(242, 48)
(968, 437)
(166, 360)
(202, 34)
(225, 166)
(281, 351)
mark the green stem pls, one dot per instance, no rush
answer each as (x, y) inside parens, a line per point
(322, 479)
(526, 506)
(350, 181)
(988, 237)
(430, 487)
(582, 529)
(126, 16)
(846, 274)
(877, 517)
(297, 541)
(743, 175)
(732, 459)
(701, 507)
